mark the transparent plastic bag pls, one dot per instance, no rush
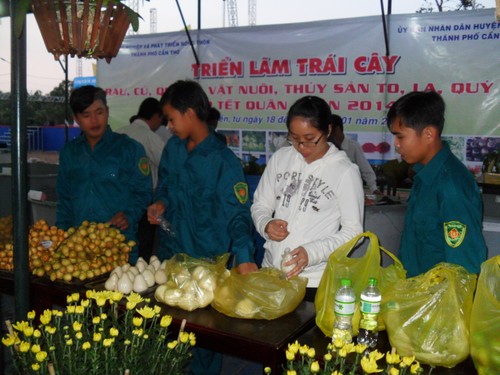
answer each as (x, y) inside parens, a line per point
(485, 319)
(359, 270)
(259, 295)
(428, 315)
(191, 282)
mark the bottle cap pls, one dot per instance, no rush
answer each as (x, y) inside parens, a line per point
(372, 281)
(345, 282)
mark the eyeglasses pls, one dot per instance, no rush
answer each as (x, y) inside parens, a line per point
(307, 144)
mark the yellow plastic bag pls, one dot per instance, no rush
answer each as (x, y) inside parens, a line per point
(359, 270)
(259, 295)
(485, 319)
(191, 282)
(428, 315)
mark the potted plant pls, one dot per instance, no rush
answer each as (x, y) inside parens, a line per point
(83, 28)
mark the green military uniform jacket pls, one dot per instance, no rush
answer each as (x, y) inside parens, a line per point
(444, 217)
(96, 184)
(206, 200)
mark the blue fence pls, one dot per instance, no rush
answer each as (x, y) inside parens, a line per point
(41, 138)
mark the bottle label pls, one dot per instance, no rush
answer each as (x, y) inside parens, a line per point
(370, 307)
(344, 308)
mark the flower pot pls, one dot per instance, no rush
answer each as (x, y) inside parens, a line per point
(83, 28)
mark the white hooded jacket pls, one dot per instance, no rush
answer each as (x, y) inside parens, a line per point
(322, 202)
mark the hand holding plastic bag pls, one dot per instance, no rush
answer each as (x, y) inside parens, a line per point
(260, 295)
(428, 315)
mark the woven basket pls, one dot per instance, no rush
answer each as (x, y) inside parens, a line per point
(83, 28)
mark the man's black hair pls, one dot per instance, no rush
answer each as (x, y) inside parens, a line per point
(337, 122)
(84, 96)
(148, 108)
(186, 94)
(417, 110)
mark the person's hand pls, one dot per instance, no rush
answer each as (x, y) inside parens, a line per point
(120, 221)
(155, 211)
(277, 230)
(245, 268)
(300, 260)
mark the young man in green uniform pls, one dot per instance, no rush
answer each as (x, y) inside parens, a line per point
(202, 192)
(444, 215)
(103, 176)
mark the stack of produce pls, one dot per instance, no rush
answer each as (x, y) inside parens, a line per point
(138, 278)
(6, 252)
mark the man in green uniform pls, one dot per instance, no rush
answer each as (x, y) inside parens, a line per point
(202, 193)
(103, 176)
(444, 215)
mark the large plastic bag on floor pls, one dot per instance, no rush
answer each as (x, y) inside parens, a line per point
(428, 315)
(485, 319)
(259, 295)
(191, 282)
(341, 266)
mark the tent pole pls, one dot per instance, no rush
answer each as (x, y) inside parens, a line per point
(19, 166)
(386, 40)
(188, 33)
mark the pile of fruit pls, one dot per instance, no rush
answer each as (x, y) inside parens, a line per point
(6, 251)
(82, 253)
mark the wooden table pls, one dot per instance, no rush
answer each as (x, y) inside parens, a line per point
(262, 341)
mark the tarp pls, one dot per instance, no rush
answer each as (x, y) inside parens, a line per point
(253, 75)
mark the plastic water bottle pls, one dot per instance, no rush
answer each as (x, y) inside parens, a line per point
(286, 257)
(345, 302)
(166, 226)
(370, 307)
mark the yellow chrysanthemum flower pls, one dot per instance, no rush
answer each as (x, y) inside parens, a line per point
(192, 342)
(315, 367)
(328, 357)
(137, 321)
(86, 345)
(50, 330)
(57, 313)
(46, 317)
(394, 371)
(24, 347)
(350, 347)
(79, 309)
(267, 370)
(31, 315)
(127, 342)
(28, 331)
(157, 309)
(96, 319)
(376, 355)
(114, 331)
(97, 337)
(35, 348)
(172, 344)
(35, 366)
(392, 359)
(184, 337)
(291, 372)
(108, 342)
(338, 343)
(100, 300)
(407, 361)
(104, 316)
(41, 356)
(130, 305)
(343, 352)
(85, 303)
(311, 353)
(77, 326)
(165, 321)
(336, 373)
(20, 326)
(360, 348)
(90, 294)
(303, 349)
(9, 340)
(116, 296)
(135, 297)
(37, 334)
(369, 366)
(69, 342)
(79, 335)
(146, 312)
(294, 348)
(138, 332)
(290, 356)
(76, 297)
(415, 369)
(70, 309)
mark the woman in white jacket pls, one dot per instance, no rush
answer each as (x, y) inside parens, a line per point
(310, 198)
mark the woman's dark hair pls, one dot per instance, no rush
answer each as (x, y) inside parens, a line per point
(417, 110)
(314, 109)
(183, 95)
(84, 96)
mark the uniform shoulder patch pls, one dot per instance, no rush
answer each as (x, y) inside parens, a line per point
(454, 233)
(241, 192)
(144, 166)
